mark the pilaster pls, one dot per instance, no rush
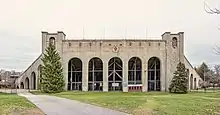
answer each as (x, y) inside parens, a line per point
(125, 76)
(163, 76)
(105, 76)
(85, 77)
(144, 77)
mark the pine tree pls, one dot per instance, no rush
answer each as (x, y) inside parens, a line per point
(52, 76)
(179, 83)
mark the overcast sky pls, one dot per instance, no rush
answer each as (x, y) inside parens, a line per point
(21, 23)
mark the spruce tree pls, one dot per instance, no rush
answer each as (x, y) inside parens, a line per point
(179, 83)
(52, 80)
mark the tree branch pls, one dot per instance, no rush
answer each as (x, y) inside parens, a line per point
(210, 10)
(217, 50)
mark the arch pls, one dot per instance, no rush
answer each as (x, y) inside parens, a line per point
(191, 81)
(27, 83)
(33, 80)
(195, 83)
(154, 74)
(187, 74)
(134, 71)
(22, 85)
(39, 70)
(95, 72)
(115, 74)
(17, 87)
(52, 41)
(75, 74)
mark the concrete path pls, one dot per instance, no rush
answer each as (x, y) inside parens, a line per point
(52, 105)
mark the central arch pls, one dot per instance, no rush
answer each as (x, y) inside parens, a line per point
(115, 74)
(154, 74)
(26, 83)
(95, 82)
(33, 80)
(75, 74)
(134, 71)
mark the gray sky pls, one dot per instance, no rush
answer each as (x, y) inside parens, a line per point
(22, 21)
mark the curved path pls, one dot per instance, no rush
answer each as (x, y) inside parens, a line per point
(52, 105)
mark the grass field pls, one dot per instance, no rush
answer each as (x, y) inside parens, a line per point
(12, 104)
(151, 103)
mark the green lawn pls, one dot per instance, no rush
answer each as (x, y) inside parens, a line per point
(12, 104)
(152, 103)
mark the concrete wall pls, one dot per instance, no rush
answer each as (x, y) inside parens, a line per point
(144, 49)
(29, 73)
(193, 73)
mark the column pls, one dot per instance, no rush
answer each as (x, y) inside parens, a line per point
(105, 76)
(125, 76)
(85, 76)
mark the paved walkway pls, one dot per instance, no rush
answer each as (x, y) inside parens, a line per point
(52, 105)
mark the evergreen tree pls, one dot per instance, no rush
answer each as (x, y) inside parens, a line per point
(202, 70)
(52, 80)
(179, 83)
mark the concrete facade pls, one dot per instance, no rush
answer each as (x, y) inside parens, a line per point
(114, 64)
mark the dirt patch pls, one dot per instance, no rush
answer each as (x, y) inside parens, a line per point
(32, 111)
(144, 111)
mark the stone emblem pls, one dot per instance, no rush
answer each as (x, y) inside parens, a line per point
(115, 49)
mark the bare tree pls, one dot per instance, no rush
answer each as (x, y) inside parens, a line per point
(217, 74)
(210, 10)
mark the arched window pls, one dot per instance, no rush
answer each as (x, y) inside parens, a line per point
(174, 42)
(95, 81)
(52, 41)
(134, 71)
(154, 74)
(75, 74)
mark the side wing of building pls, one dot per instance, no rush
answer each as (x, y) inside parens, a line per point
(194, 78)
(29, 78)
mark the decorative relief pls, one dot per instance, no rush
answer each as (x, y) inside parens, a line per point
(115, 49)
